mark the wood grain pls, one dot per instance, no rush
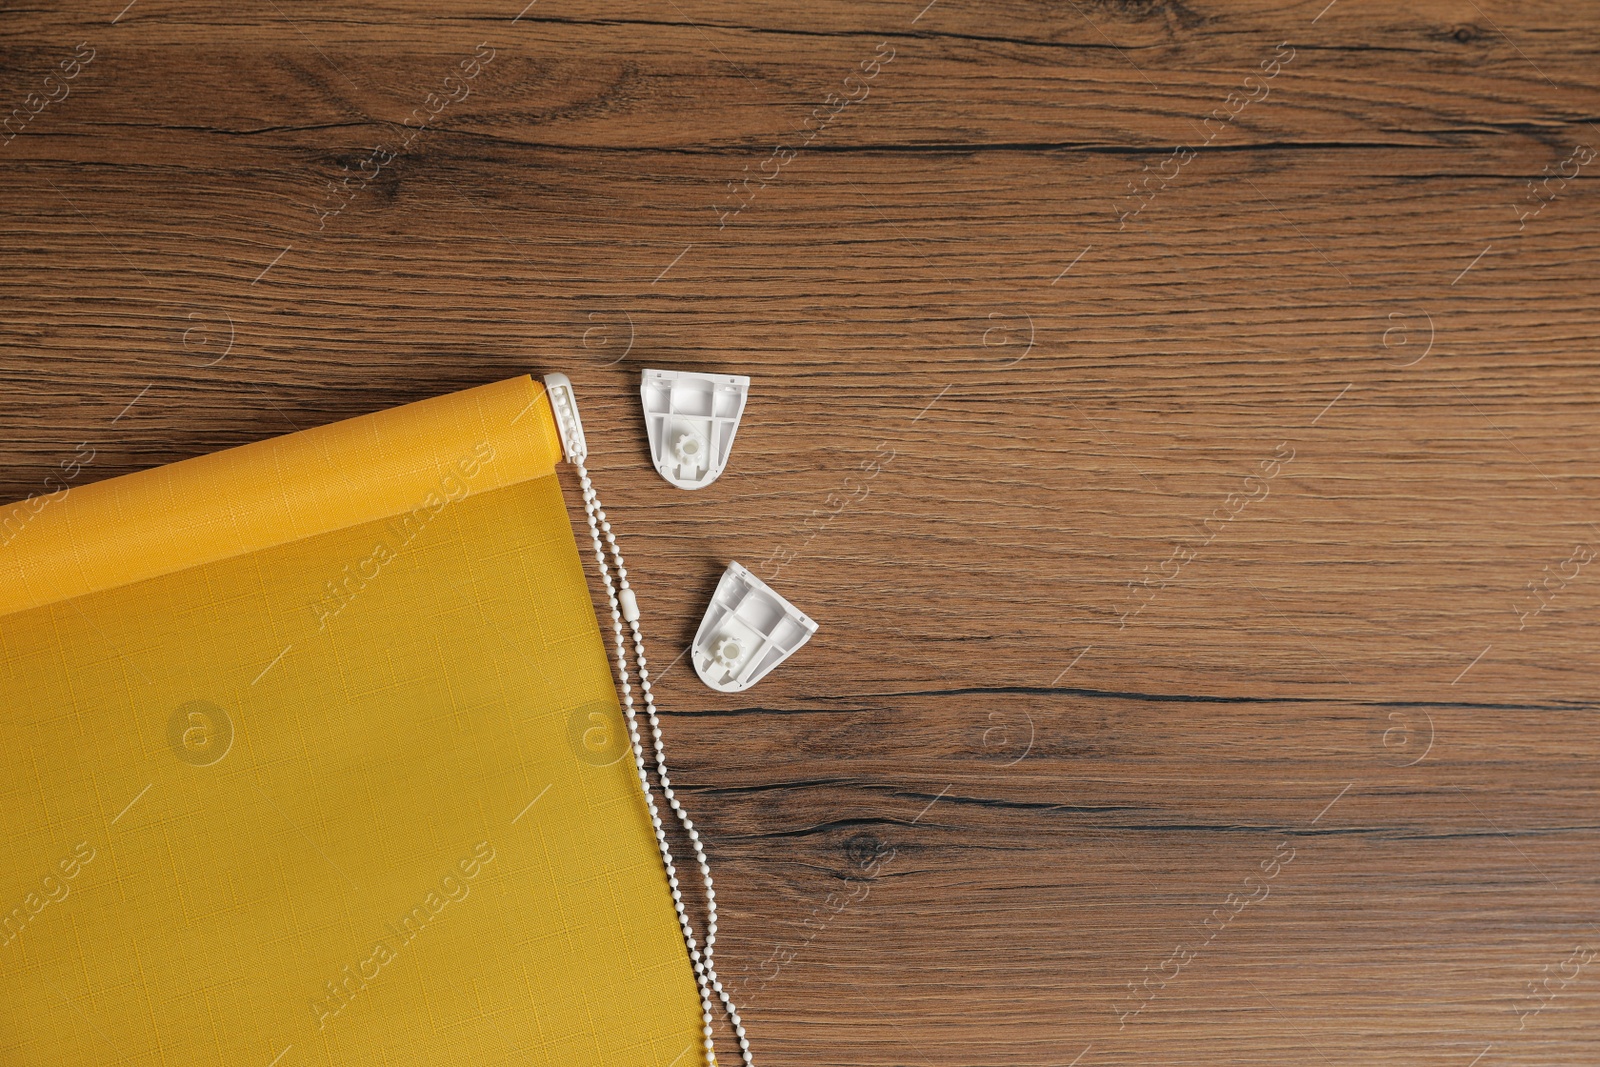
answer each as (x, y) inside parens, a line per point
(1084, 666)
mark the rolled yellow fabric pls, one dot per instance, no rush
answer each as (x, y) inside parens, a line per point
(310, 754)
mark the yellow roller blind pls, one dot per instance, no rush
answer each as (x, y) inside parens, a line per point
(310, 754)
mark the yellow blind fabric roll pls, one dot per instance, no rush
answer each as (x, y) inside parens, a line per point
(310, 754)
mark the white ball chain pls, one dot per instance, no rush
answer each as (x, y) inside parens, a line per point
(672, 799)
(705, 971)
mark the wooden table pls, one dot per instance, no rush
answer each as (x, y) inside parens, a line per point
(1180, 419)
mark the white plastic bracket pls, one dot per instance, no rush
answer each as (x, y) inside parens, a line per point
(691, 419)
(565, 406)
(747, 631)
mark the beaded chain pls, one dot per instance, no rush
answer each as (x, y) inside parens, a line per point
(625, 607)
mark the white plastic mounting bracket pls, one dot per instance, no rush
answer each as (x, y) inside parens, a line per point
(691, 419)
(565, 406)
(747, 631)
